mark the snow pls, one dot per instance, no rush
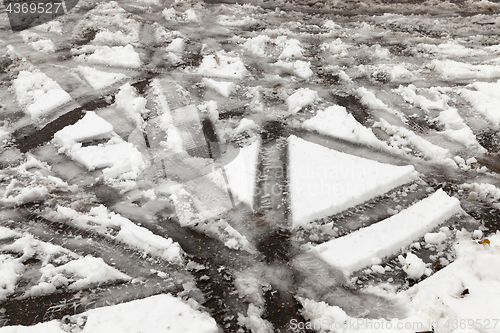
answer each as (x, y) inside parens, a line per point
(223, 66)
(475, 270)
(80, 274)
(484, 191)
(99, 79)
(191, 16)
(435, 237)
(226, 20)
(223, 88)
(337, 122)
(174, 143)
(103, 222)
(454, 70)
(336, 48)
(10, 270)
(450, 49)
(292, 48)
(456, 129)
(413, 266)
(241, 174)
(177, 45)
(152, 314)
(119, 56)
(369, 99)
(134, 106)
(410, 95)
(253, 320)
(38, 93)
(90, 127)
(257, 45)
(383, 239)
(6, 233)
(430, 150)
(300, 68)
(52, 26)
(37, 42)
(59, 267)
(117, 160)
(245, 125)
(324, 182)
(300, 98)
(484, 99)
(53, 326)
(400, 73)
(295, 43)
(25, 195)
(155, 314)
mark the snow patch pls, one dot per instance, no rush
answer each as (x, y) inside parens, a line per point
(383, 239)
(300, 98)
(337, 122)
(325, 182)
(38, 93)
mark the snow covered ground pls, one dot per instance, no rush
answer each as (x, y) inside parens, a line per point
(263, 166)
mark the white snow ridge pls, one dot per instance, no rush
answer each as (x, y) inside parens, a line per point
(358, 249)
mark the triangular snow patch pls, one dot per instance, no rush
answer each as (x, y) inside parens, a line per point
(241, 174)
(324, 182)
(99, 79)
